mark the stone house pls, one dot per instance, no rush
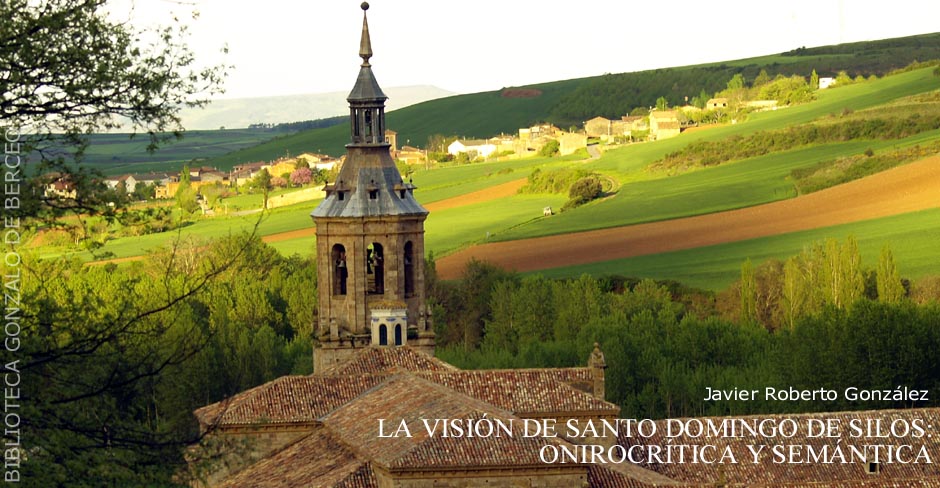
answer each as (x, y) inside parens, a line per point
(480, 147)
(569, 142)
(130, 183)
(716, 103)
(411, 155)
(599, 127)
(664, 124)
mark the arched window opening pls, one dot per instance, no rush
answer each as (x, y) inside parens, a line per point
(340, 271)
(383, 335)
(375, 269)
(368, 125)
(398, 335)
(357, 130)
(409, 259)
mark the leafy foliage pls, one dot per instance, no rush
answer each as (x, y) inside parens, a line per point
(827, 174)
(711, 153)
(582, 191)
(70, 70)
(553, 181)
(301, 177)
(665, 344)
(118, 357)
(549, 149)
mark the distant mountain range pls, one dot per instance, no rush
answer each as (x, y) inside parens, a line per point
(240, 112)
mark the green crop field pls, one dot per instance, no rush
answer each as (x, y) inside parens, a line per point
(735, 185)
(641, 195)
(912, 237)
(442, 183)
(489, 113)
(451, 229)
(115, 154)
(475, 115)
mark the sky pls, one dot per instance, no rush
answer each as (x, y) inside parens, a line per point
(285, 47)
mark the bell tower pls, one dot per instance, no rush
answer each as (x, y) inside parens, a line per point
(370, 240)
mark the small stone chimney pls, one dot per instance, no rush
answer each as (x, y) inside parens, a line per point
(598, 365)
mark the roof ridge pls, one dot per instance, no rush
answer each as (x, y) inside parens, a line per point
(232, 403)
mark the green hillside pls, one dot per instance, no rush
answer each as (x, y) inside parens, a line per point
(646, 196)
(567, 103)
(115, 154)
(642, 195)
(912, 237)
(475, 115)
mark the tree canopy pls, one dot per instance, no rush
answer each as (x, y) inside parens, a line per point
(67, 70)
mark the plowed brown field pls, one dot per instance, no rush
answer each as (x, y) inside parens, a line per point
(911, 187)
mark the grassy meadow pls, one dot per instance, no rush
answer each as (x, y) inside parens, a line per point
(647, 196)
(912, 238)
(642, 195)
(117, 154)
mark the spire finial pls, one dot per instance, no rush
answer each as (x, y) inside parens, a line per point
(365, 46)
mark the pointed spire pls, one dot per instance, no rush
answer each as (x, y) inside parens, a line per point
(365, 45)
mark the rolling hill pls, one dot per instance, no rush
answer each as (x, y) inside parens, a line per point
(570, 102)
(473, 211)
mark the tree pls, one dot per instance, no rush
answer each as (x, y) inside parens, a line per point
(814, 81)
(662, 104)
(736, 82)
(263, 181)
(301, 176)
(841, 280)
(105, 348)
(550, 148)
(69, 70)
(843, 79)
(93, 340)
(888, 279)
(762, 78)
(211, 194)
(795, 294)
(703, 99)
(439, 143)
(186, 195)
(748, 293)
(144, 191)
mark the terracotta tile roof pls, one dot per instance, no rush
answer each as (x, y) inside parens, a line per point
(664, 114)
(288, 399)
(876, 482)
(315, 460)
(298, 399)
(386, 359)
(409, 398)
(626, 476)
(767, 473)
(580, 378)
(523, 391)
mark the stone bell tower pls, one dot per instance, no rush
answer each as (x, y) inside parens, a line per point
(370, 240)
